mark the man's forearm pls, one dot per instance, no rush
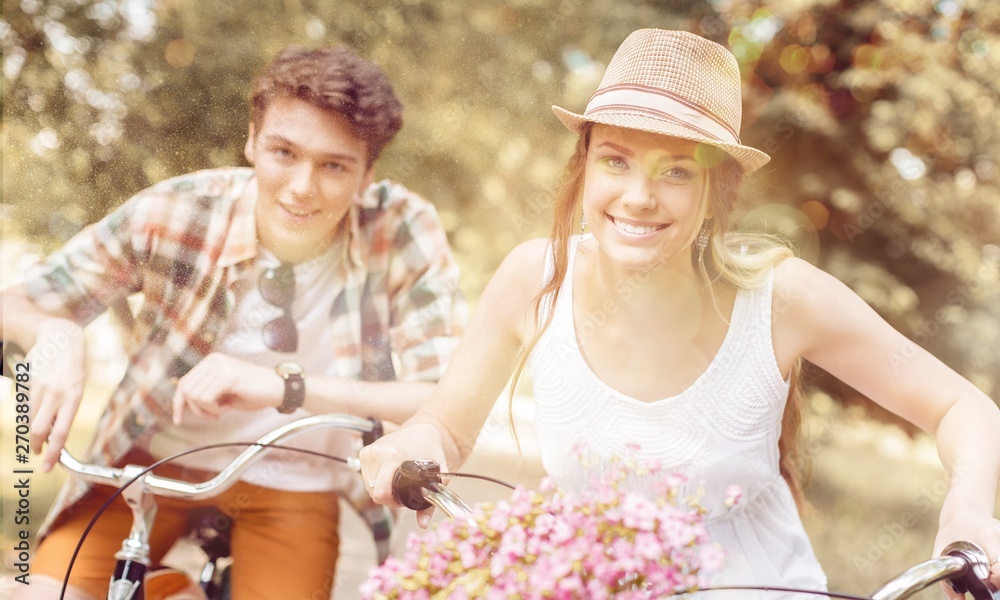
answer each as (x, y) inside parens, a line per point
(22, 320)
(394, 401)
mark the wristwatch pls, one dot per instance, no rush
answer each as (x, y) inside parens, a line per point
(295, 386)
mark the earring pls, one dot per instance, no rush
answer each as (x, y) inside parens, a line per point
(702, 240)
(583, 224)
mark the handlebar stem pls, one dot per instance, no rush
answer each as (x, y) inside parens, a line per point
(136, 546)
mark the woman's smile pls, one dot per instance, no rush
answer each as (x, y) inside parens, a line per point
(636, 230)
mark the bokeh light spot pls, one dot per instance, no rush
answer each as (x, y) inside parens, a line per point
(949, 8)
(794, 59)
(867, 56)
(821, 59)
(980, 48)
(909, 166)
(817, 212)
(179, 53)
(315, 29)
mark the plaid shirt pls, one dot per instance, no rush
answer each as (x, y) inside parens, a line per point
(184, 242)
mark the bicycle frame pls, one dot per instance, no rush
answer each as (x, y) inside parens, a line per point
(132, 561)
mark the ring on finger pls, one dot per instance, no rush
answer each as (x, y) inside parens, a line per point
(371, 483)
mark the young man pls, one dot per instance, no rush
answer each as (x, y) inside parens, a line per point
(297, 286)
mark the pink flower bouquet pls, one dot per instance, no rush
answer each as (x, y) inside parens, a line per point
(605, 542)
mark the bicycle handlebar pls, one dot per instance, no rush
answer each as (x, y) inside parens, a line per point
(132, 561)
(173, 488)
(965, 566)
(417, 485)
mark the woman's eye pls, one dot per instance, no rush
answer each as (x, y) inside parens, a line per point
(283, 152)
(333, 166)
(616, 162)
(676, 173)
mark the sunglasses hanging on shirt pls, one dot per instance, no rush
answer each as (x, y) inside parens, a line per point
(277, 287)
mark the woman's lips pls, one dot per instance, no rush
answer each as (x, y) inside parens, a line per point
(634, 229)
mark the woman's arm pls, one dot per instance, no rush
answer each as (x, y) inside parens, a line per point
(446, 428)
(819, 318)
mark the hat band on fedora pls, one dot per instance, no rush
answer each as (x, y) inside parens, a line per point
(637, 99)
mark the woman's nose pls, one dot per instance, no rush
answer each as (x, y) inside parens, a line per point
(638, 193)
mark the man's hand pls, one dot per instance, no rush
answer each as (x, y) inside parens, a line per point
(220, 382)
(58, 372)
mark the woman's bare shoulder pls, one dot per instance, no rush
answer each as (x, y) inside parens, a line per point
(524, 265)
(814, 308)
(509, 295)
(799, 283)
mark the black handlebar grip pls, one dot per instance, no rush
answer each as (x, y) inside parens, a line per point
(370, 437)
(976, 578)
(410, 477)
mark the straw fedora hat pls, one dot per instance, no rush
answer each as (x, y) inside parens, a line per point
(674, 83)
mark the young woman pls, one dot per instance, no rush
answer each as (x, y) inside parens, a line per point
(659, 328)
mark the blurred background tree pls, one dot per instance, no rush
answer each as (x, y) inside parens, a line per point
(881, 117)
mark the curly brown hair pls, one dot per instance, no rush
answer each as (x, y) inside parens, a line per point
(335, 79)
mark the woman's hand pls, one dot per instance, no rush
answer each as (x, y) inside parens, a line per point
(981, 530)
(379, 461)
(220, 382)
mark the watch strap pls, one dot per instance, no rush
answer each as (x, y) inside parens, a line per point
(295, 392)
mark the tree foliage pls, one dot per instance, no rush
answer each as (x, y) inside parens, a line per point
(880, 115)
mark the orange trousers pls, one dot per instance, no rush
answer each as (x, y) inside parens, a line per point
(284, 544)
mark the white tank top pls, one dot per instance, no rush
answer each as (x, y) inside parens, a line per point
(721, 431)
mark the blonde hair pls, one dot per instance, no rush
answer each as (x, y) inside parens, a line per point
(741, 259)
